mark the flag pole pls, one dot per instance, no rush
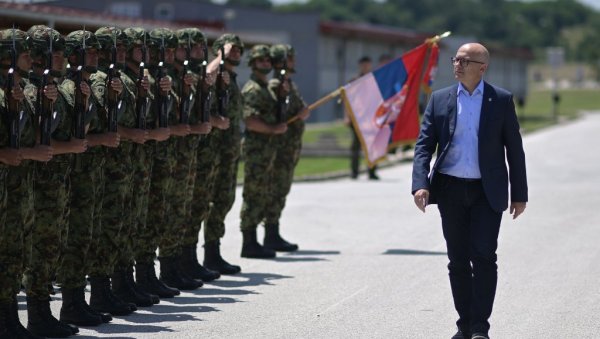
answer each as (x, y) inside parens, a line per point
(318, 103)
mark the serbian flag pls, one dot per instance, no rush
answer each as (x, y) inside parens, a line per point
(384, 104)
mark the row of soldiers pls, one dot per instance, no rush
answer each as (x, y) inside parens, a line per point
(116, 143)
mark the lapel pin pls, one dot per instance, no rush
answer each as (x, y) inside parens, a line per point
(490, 99)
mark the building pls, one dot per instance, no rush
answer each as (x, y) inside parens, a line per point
(327, 52)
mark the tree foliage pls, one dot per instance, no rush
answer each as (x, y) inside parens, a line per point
(532, 24)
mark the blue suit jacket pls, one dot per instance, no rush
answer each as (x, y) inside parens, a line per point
(499, 143)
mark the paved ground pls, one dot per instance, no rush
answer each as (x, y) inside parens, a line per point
(373, 266)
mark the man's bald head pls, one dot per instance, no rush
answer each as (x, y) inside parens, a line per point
(476, 51)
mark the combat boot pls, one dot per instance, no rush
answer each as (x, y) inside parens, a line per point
(214, 261)
(73, 310)
(102, 299)
(5, 330)
(252, 249)
(146, 280)
(191, 266)
(122, 289)
(274, 241)
(40, 320)
(131, 282)
(170, 274)
(15, 327)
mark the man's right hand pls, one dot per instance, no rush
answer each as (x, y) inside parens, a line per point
(220, 122)
(280, 128)
(421, 198)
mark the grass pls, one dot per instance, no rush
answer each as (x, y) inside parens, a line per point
(538, 111)
(536, 114)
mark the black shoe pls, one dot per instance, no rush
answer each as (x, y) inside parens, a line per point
(191, 266)
(147, 281)
(252, 249)
(274, 241)
(103, 300)
(480, 336)
(171, 275)
(40, 320)
(122, 288)
(214, 261)
(73, 310)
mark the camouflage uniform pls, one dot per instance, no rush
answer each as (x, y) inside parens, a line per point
(87, 185)
(52, 187)
(185, 156)
(259, 151)
(161, 186)
(142, 160)
(288, 149)
(216, 168)
(19, 208)
(118, 169)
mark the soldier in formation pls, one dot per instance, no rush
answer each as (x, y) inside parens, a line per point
(132, 141)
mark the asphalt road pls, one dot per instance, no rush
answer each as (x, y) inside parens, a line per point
(371, 265)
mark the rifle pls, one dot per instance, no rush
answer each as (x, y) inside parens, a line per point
(283, 100)
(142, 94)
(184, 91)
(222, 91)
(163, 119)
(43, 104)
(204, 94)
(111, 95)
(80, 107)
(13, 106)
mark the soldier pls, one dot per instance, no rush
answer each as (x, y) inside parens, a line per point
(263, 133)
(219, 159)
(18, 112)
(163, 43)
(116, 221)
(288, 149)
(141, 240)
(87, 185)
(192, 44)
(52, 184)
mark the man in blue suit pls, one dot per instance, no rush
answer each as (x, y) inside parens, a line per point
(474, 128)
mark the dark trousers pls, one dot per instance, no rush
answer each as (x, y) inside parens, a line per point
(355, 156)
(471, 229)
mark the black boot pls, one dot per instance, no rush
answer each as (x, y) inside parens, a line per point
(122, 289)
(252, 249)
(129, 276)
(274, 241)
(146, 280)
(214, 261)
(191, 266)
(106, 317)
(5, 331)
(73, 310)
(40, 320)
(15, 327)
(102, 299)
(171, 275)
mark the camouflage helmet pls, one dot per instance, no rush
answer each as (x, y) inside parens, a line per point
(107, 35)
(227, 38)
(74, 41)
(157, 35)
(136, 36)
(280, 51)
(193, 35)
(21, 39)
(40, 40)
(258, 51)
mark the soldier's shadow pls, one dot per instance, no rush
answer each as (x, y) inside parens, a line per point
(221, 291)
(175, 308)
(250, 279)
(125, 328)
(411, 252)
(168, 314)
